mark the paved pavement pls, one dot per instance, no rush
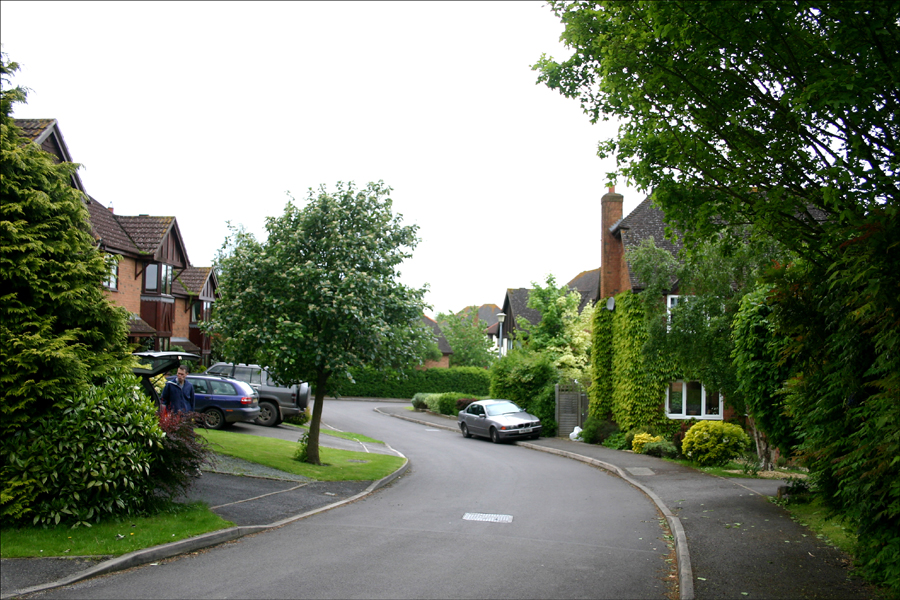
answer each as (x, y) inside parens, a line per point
(731, 541)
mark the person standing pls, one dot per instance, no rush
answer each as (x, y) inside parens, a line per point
(178, 395)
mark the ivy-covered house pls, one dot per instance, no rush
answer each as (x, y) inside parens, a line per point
(632, 388)
(153, 279)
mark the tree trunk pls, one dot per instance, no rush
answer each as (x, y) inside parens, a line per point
(312, 447)
(763, 449)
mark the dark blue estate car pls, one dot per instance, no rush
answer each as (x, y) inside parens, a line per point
(223, 401)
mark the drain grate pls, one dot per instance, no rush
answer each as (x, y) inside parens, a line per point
(488, 518)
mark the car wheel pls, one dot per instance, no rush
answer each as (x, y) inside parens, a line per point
(495, 435)
(268, 414)
(465, 430)
(213, 418)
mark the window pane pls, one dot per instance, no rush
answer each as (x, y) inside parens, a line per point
(675, 400)
(712, 403)
(151, 277)
(242, 373)
(200, 386)
(222, 388)
(196, 312)
(694, 397)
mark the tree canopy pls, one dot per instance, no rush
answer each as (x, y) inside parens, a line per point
(784, 116)
(321, 295)
(465, 334)
(59, 332)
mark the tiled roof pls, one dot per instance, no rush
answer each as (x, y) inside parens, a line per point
(186, 344)
(518, 306)
(139, 327)
(107, 230)
(191, 281)
(147, 232)
(645, 221)
(586, 281)
(487, 313)
(443, 344)
(33, 128)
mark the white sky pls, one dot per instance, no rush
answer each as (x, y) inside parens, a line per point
(211, 111)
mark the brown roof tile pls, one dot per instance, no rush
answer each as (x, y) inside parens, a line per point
(644, 222)
(147, 232)
(190, 282)
(33, 128)
(107, 230)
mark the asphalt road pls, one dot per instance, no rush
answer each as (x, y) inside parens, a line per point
(571, 531)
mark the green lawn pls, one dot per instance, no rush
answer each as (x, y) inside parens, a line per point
(340, 465)
(357, 437)
(180, 522)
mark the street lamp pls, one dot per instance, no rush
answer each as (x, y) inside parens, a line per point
(500, 318)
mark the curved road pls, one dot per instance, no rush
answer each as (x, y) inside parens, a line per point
(574, 532)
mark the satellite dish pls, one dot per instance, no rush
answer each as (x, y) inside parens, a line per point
(611, 303)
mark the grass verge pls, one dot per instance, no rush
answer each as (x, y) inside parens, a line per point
(356, 437)
(340, 465)
(180, 521)
(727, 470)
(815, 515)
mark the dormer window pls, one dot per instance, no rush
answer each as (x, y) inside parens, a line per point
(158, 278)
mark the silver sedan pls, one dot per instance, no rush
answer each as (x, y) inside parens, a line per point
(498, 420)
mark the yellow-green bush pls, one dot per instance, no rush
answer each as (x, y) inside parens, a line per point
(637, 444)
(710, 443)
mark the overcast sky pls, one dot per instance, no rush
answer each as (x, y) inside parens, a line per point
(212, 111)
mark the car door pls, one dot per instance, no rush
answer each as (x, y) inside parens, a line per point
(224, 395)
(201, 393)
(476, 420)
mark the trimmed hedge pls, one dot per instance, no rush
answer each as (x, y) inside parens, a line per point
(372, 383)
(449, 403)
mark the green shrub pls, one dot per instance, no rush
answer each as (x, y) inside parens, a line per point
(616, 441)
(595, 431)
(90, 459)
(463, 403)
(529, 379)
(299, 419)
(372, 383)
(418, 403)
(661, 449)
(641, 439)
(713, 443)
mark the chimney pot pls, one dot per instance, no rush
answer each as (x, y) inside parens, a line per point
(612, 189)
(111, 207)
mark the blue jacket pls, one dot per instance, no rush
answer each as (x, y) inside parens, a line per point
(178, 399)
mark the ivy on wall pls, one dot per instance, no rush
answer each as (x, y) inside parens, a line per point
(600, 392)
(638, 380)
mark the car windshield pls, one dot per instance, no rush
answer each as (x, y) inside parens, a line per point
(502, 408)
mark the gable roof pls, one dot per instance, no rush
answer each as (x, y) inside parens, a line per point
(586, 283)
(196, 281)
(487, 313)
(443, 344)
(644, 222)
(108, 231)
(516, 305)
(46, 134)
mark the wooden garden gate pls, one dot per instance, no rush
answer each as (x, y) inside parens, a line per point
(571, 407)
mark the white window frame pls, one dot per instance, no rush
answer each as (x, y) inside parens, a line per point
(683, 414)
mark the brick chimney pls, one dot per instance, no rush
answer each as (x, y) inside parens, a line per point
(611, 250)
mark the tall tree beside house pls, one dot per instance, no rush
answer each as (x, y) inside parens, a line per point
(321, 295)
(784, 115)
(465, 334)
(59, 333)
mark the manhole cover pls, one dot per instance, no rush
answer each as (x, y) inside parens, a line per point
(489, 518)
(640, 471)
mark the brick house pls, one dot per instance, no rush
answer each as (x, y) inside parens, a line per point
(443, 345)
(153, 279)
(619, 236)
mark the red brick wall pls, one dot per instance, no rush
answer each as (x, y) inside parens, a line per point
(443, 363)
(611, 250)
(182, 327)
(128, 293)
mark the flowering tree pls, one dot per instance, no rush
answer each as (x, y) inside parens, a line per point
(321, 295)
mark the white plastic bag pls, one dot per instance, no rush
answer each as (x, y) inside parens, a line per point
(575, 436)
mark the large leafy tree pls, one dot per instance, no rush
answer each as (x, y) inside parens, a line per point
(59, 334)
(784, 115)
(465, 334)
(320, 296)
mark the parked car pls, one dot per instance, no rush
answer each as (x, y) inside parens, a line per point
(223, 401)
(276, 401)
(498, 420)
(152, 364)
